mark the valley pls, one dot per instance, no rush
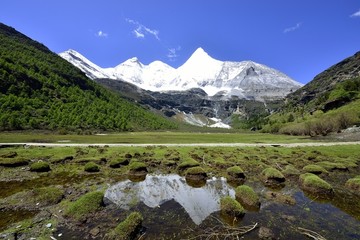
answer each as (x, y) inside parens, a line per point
(209, 150)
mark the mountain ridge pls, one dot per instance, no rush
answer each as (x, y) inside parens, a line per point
(40, 90)
(199, 71)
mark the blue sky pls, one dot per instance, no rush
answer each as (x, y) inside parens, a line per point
(300, 37)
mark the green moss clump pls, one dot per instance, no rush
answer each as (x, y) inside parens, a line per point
(195, 174)
(91, 167)
(48, 195)
(137, 167)
(331, 166)
(40, 167)
(13, 162)
(353, 184)
(247, 196)
(117, 163)
(290, 170)
(316, 169)
(314, 184)
(235, 172)
(231, 207)
(195, 171)
(272, 174)
(127, 229)
(188, 163)
(88, 203)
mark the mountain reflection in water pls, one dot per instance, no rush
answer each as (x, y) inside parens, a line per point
(155, 190)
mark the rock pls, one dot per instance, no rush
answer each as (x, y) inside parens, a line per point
(266, 233)
(49, 225)
(280, 198)
(95, 231)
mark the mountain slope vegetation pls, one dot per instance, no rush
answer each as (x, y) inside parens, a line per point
(40, 90)
(329, 103)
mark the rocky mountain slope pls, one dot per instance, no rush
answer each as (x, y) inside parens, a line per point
(194, 106)
(327, 104)
(327, 80)
(247, 79)
(40, 90)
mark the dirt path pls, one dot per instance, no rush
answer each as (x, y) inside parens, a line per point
(289, 145)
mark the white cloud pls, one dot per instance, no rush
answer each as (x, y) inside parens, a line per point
(173, 53)
(102, 34)
(293, 28)
(357, 14)
(141, 30)
(138, 34)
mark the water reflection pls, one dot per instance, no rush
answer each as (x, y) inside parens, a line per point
(199, 203)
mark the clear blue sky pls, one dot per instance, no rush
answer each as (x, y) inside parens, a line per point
(299, 37)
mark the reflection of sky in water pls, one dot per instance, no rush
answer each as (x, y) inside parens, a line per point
(199, 203)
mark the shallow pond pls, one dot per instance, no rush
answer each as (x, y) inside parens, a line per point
(173, 209)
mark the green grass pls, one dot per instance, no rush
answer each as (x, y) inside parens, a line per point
(196, 171)
(272, 173)
(40, 167)
(231, 207)
(13, 162)
(137, 166)
(247, 196)
(354, 184)
(128, 228)
(315, 184)
(313, 168)
(150, 137)
(86, 204)
(91, 167)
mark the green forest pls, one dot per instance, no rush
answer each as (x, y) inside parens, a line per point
(40, 90)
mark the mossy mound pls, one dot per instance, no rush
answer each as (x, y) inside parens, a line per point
(332, 166)
(314, 184)
(290, 170)
(353, 184)
(91, 167)
(9, 155)
(13, 162)
(137, 167)
(272, 175)
(40, 167)
(188, 163)
(235, 172)
(117, 163)
(88, 203)
(230, 207)
(247, 197)
(315, 169)
(195, 173)
(35, 198)
(127, 229)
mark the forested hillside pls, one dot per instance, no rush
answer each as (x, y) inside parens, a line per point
(40, 90)
(329, 103)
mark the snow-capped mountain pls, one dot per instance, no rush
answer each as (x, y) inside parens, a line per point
(244, 79)
(90, 69)
(199, 203)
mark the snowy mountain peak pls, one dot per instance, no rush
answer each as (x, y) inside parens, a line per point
(90, 69)
(246, 79)
(200, 57)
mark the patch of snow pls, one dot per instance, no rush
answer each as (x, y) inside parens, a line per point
(220, 125)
